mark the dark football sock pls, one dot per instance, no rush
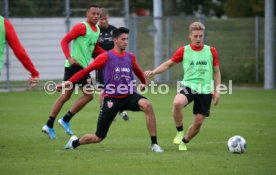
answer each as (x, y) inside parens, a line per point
(184, 140)
(179, 128)
(50, 122)
(76, 143)
(153, 139)
(67, 117)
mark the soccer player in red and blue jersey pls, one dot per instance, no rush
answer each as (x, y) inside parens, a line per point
(106, 42)
(119, 91)
(200, 67)
(7, 33)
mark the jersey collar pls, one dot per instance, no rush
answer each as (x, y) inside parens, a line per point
(195, 48)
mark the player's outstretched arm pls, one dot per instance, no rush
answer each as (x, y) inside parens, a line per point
(162, 68)
(98, 63)
(20, 52)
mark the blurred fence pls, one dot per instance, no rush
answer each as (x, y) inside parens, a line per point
(241, 50)
(41, 39)
(41, 25)
(239, 42)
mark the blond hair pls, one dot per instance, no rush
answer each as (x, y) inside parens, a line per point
(103, 12)
(196, 26)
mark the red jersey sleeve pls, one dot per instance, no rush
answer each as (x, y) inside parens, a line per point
(136, 69)
(98, 50)
(98, 63)
(77, 30)
(18, 49)
(178, 55)
(215, 56)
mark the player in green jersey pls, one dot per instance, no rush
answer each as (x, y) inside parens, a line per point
(84, 36)
(200, 81)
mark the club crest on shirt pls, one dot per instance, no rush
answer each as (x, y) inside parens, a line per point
(110, 104)
(116, 77)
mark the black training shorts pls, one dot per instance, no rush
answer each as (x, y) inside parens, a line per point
(70, 71)
(202, 102)
(111, 106)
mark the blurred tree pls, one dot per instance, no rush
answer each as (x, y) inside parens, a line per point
(258, 7)
(2, 7)
(231, 8)
(237, 8)
(141, 6)
(169, 7)
(55, 8)
(22, 8)
(204, 7)
(213, 8)
(188, 7)
(115, 8)
(30, 8)
(245, 8)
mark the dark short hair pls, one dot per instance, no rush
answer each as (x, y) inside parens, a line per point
(92, 5)
(117, 32)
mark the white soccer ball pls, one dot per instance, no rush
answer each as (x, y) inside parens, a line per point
(236, 144)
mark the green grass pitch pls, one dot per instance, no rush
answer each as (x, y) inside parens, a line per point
(25, 150)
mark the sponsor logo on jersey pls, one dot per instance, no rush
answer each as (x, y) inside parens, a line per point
(125, 69)
(122, 69)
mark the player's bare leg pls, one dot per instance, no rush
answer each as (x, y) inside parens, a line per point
(86, 139)
(78, 105)
(82, 101)
(89, 138)
(60, 102)
(179, 102)
(48, 128)
(195, 127)
(146, 107)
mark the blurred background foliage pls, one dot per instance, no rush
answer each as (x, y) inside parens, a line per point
(214, 8)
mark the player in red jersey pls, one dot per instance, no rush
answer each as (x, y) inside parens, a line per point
(84, 36)
(7, 33)
(201, 73)
(106, 42)
(119, 91)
